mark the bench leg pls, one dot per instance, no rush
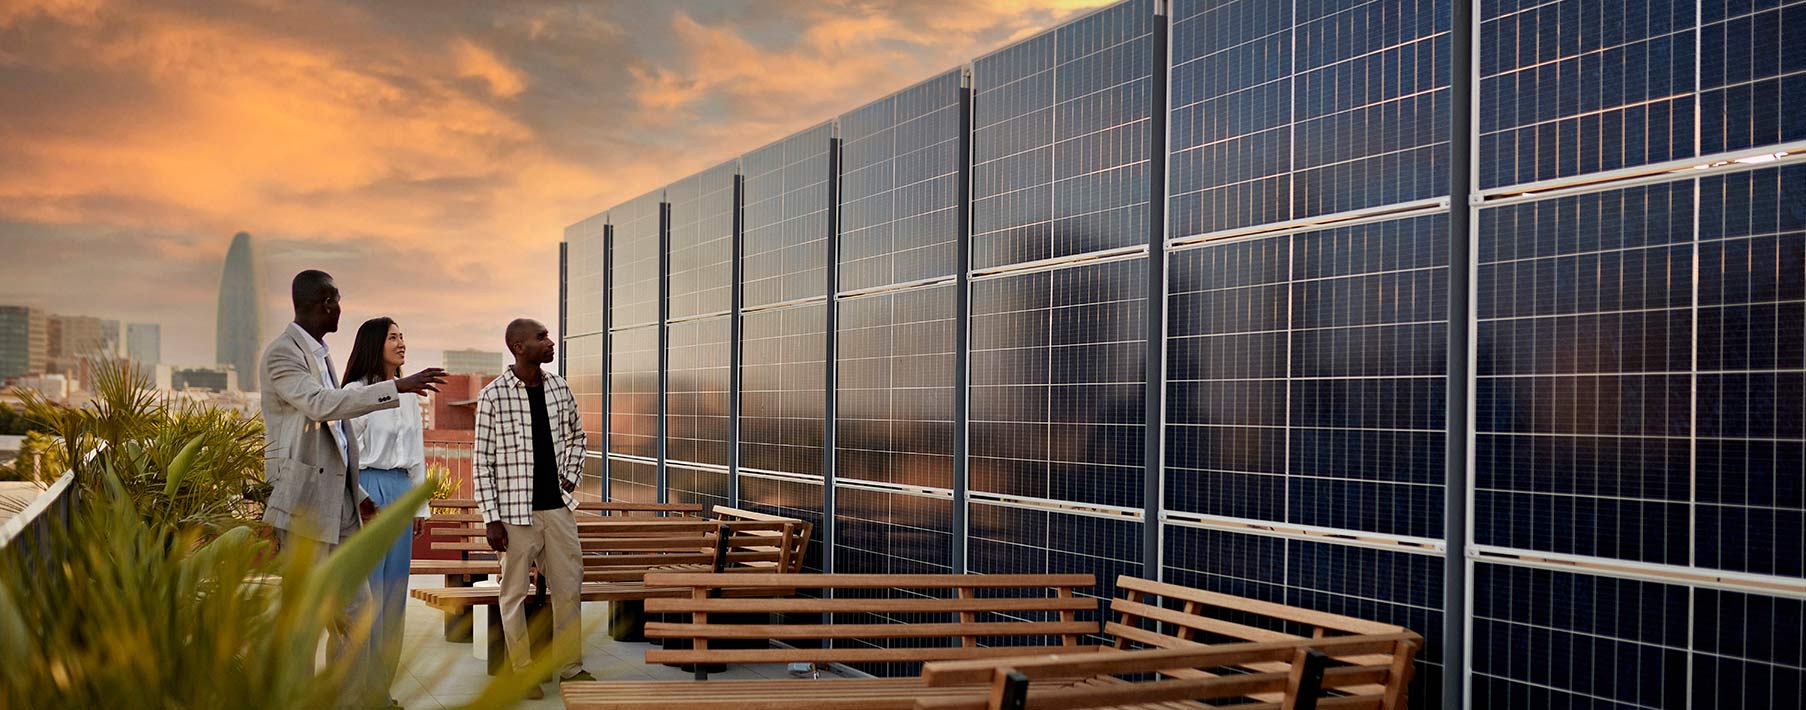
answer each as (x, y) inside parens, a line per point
(459, 624)
(627, 620)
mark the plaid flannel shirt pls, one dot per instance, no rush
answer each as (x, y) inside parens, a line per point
(502, 466)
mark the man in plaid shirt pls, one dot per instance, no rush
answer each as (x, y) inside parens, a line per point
(529, 454)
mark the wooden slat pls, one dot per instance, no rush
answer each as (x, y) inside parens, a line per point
(613, 506)
(1346, 624)
(898, 606)
(1200, 623)
(1066, 665)
(862, 631)
(839, 655)
(764, 694)
(882, 581)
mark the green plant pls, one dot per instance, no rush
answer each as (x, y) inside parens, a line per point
(138, 614)
(127, 432)
(440, 480)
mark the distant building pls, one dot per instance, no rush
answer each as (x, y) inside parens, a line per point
(24, 341)
(52, 387)
(144, 344)
(240, 326)
(455, 407)
(473, 362)
(218, 380)
(112, 338)
(71, 340)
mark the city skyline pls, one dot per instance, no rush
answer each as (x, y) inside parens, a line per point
(428, 158)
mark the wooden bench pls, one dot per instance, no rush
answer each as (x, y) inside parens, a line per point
(619, 553)
(953, 617)
(1269, 675)
(1150, 616)
(465, 571)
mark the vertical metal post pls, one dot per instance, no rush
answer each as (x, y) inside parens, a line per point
(1460, 318)
(962, 321)
(664, 347)
(831, 338)
(733, 358)
(1154, 362)
(608, 351)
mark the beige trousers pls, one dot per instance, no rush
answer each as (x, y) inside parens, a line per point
(551, 544)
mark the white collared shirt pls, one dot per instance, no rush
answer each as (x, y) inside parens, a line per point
(392, 439)
(323, 363)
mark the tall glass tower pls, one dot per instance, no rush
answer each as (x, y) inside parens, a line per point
(240, 312)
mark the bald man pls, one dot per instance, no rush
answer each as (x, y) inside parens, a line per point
(529, 454)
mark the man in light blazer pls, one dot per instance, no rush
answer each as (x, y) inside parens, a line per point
(310, 460)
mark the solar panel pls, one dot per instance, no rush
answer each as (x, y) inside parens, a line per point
(1579, 86)
(702, 242)
(583, 374)
(899, 189)
(634, 280)
(895, 398)
(785, 213)
(1283, 111)
(1061, 138)
(698, 484)
(632, 480)
(1306, 377)
(1009, 539)
(1058, 384)
(782, 397)
(1748, 77)
(697, 398)
(633, 392)
(585, 276)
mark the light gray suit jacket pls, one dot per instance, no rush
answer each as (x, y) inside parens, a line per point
(309, 478)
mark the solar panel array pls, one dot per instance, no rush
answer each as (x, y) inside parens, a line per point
(1637, 536)
(585, 340)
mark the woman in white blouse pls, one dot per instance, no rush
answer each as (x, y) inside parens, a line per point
(393, 459)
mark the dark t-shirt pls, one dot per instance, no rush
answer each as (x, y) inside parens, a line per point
(547, 494)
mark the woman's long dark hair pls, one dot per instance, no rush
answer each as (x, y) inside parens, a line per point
(366, 363)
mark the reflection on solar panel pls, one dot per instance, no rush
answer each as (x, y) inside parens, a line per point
(697, 396)
(1058, 388)
(1276, 116)
(899, 194)
(1061, 140)
(702, 242)
(584, 275)
(698, 484)
(789, 497)
(896, 360)
(1306, 378)
(583, 365)
(785, 213)
(782, 398)
(633, 392)
(1008, 539)
(632, 480)
(634, 276)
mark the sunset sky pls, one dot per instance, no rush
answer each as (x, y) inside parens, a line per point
(427, 154)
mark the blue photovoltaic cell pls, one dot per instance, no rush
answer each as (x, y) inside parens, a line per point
(1059, 383)
(895, 398)
(1021, 540)
(1061, 140)
(634, 281)
(1306, 377)
(583, 374)
(696, 399)
(1620, 416)
(702, 242)
(796, 499)
(1378, 585)
(584, 275)
(784, 253)
(633, 392)
(899, 186)
(1605, 642)
(783, 402)
(1343, 106)
(1580, 86)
